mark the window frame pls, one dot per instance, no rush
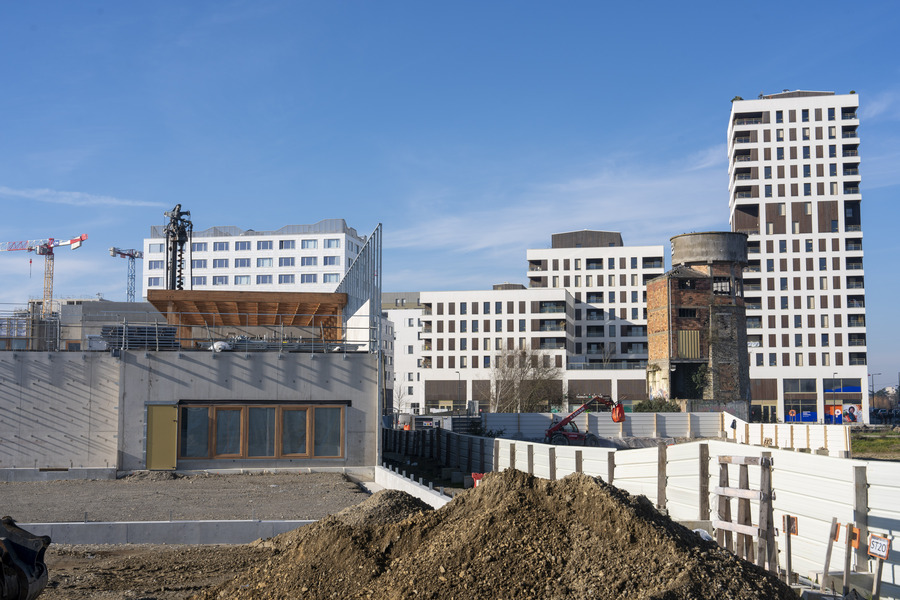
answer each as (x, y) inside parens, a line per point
(243, 411)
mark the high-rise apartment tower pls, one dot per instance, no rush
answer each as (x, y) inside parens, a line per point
(794, 187)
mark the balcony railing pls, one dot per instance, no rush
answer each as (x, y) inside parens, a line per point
(847, 116)
(743, 195)
(852, 247)
(856, 304)
(743, 158)
(857, 361)
(753, 306)
(851, 171)
(748, 121)
(854, 266)
(853, 342)
(742, 176)
(855, 285)
(552, 328)
(752, 269)
(851, 190)
(744, 139)
(849, 134)
(853, 228)
(752, 287)
(850, 152)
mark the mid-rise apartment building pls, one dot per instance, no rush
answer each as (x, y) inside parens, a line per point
(794, 188)
(607, 281)
(584, 313)
(295, 258)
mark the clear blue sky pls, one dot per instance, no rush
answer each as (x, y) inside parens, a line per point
(471, 130)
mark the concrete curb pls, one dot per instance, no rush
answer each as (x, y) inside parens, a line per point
(162, 532)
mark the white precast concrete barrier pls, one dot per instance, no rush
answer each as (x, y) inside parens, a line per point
(681, 478)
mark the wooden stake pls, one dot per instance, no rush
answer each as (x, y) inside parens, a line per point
(832, 532)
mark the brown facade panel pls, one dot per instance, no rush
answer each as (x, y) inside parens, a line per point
(589, 387)
(632, 390)
(445, 389)
(481, 390)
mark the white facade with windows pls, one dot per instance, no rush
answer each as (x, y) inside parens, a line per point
(584, 312)
(794, 188)
(608, 283)
(295, 258)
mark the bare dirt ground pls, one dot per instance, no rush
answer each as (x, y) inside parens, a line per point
(154, 572)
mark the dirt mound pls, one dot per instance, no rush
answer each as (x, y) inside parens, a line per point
(514, 536)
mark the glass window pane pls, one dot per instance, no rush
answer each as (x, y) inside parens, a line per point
(261, 432)
(228, 431)
(327, 422)
(194, 432)
(293, 432)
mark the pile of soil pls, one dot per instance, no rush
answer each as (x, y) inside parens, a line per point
(513, 536)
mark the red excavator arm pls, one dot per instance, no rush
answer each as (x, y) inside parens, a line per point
(618, 412)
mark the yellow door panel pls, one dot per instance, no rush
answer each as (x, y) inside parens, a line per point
(162, 437)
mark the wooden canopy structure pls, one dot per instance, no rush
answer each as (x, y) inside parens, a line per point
(193, 308)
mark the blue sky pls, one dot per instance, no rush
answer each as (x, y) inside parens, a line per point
(471, 130)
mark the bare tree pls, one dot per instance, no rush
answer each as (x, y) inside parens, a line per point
(401, 403)
(524, 381)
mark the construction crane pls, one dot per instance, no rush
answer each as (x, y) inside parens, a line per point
(130, 255)
(45, 248)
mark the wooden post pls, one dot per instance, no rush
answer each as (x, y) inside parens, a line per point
(744, 541)
(792, 438)
(512, 456)
(848, 552)
(551, 455)
(481, 455)
(704, 483)
(655, 425)
(610, 467)
(530, 454)
(766, 551)
(787, 550)
(723, 536)
(746, 433)
(876, 584)
(860, 516)
(831, 535)
(578, 461)
(661, 478)
(496, 456)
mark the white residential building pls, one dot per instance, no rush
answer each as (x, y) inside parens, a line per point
(607, 281)
(584, 312)
(794, 187)
(295, 258)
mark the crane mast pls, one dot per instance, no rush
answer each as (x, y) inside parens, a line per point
(45, 248)
(129, 254)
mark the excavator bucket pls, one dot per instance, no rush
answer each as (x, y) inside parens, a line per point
(618, 413)
(24, 573)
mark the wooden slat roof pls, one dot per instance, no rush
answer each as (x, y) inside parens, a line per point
(228, 308)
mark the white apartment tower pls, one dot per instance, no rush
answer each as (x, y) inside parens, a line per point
(295, 258)
(794, 188)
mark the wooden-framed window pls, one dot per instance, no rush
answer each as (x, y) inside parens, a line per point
(230, 431)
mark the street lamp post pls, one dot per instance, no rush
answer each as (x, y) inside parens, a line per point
(872, 385)
(833, 397)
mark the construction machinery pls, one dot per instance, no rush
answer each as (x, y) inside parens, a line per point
(45, 248)
(565, 432)
(178, 230)
(23, 573)
(130, 255)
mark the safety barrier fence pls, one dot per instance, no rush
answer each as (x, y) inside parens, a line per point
(681, 479)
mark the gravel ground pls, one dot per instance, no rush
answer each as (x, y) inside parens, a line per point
(162, 496)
